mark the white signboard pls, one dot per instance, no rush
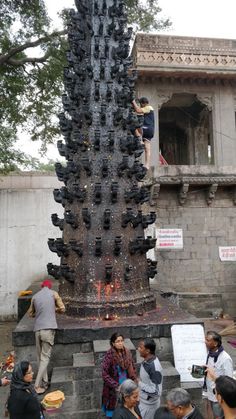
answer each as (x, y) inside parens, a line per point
(169, 238)
(227, 253)
(189, 349)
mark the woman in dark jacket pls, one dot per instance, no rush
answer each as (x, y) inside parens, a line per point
(129, 395)
(117, 366)
(23, 401)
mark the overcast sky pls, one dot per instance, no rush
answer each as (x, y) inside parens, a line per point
(207, 18)
(202, 18)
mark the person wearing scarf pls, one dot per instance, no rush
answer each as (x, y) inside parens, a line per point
(23, 401)
(117, 366)
(220, 361)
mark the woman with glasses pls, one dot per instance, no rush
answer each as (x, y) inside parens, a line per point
(117, 366)
(23, 401)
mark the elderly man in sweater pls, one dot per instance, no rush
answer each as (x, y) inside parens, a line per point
(179, 404)
(44, 306)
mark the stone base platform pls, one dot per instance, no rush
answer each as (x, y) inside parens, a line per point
(82, 382)
(155, 323)
(80, 344)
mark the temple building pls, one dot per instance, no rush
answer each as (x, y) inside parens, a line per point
(191, 84)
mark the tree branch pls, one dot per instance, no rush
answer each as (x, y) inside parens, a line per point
(32, 60)
(30, 44)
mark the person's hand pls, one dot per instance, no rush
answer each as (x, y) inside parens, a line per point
(211, 373)
(5, 381)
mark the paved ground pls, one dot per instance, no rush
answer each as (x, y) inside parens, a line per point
(6, 346)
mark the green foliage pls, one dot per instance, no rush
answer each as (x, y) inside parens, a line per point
(32, 57)
(144, 15)
(46, 167)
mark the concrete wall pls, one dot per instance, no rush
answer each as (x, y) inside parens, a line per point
(197, 268)
(26, 203)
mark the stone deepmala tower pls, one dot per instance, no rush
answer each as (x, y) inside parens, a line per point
(104, 272)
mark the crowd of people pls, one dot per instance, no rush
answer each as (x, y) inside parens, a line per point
(126, 393)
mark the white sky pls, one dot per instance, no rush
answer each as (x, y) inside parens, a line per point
(202, 18)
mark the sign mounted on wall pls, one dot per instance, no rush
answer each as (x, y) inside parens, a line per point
(227, 253)
(169, 238)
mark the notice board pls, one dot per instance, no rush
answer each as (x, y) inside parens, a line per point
(189, 348)
(169, 238)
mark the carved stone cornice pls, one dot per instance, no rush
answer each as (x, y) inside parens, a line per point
(185, 54)
(234, 195)
(185, 60)
(183, 193)
(163, 98)
(153, 42)
(183, 184)
(211, 193)
(206, 99)
(197, 180)
(154, 194)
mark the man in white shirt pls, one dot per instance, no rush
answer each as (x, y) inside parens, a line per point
(222, 364)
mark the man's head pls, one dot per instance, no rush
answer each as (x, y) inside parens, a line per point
(143, 101)
(46, 283)
(213, 340)
(226, 391)
(178, 402)
(147, 347)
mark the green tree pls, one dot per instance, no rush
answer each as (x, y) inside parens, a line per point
(32, 57)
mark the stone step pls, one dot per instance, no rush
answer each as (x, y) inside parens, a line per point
(102, 346)
(171, 378)
(86, 414)
(83, 359)
(85, 382)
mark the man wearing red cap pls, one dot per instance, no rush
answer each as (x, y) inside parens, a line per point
(44, 306)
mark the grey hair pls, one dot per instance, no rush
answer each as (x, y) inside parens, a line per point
(179, 397)
(215, 336)
(127, 388)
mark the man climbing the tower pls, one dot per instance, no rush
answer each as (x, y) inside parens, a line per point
(148, 127)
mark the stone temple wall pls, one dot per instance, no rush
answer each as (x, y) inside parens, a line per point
(26, 203)
(197, 268)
